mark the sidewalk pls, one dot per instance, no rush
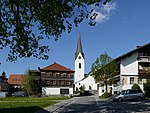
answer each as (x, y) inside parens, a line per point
(55, 108)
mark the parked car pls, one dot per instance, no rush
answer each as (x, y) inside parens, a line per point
(19, 94)
(130, 94)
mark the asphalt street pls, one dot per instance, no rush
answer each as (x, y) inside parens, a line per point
(91, 104)
(84, 104)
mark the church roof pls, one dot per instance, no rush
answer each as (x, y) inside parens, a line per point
(79, 47)
(56, 67)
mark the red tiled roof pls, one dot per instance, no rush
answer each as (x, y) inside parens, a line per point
(56, 67)
(15, 79)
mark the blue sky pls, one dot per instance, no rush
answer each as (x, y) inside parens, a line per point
(122, 25)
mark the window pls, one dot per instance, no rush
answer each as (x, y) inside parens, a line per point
(54, 82)
(79, 65)
(139, 81)
(79, 57)
(54, 75)
(131, 80)
(62, 82)
(68, 82)
(64, 91)
(68, 75)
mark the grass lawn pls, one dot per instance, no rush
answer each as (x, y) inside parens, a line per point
(26, 104)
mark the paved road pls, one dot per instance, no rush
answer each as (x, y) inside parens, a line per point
(91, 104)
(108, 106)
(85, 104)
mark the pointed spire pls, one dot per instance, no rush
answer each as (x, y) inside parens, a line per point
(79, 47)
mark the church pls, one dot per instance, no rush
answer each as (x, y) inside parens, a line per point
(80, 78)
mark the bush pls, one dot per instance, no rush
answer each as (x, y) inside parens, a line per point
(106, 95)
(147, 89)
(76, 92)
(136, 86)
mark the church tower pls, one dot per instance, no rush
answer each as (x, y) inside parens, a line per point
(79, 62)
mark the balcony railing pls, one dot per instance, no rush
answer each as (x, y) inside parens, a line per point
(144, 70)
(144, 59)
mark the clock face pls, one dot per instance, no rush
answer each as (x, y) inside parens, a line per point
(79, 57)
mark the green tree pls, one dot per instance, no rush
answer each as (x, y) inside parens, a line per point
(20, 20)
(104, 69)
(147, 89)
(31, 83)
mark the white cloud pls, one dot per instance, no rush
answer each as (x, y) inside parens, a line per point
(101, 17)
(105, 12)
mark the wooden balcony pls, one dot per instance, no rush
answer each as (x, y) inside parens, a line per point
(144, 59)
(144, 71)
(57, 83)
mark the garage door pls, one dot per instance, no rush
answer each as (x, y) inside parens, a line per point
(64, 91)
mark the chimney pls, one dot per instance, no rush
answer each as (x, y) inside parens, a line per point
(138, 47)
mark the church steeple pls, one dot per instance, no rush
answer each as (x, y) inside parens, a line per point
(79, 61)
(79, 47)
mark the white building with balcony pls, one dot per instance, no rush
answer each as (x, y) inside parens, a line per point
(134, 68)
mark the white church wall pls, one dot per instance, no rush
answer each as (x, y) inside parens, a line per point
(87, 83)
(79, 72)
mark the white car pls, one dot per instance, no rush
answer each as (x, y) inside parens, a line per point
(129, 94)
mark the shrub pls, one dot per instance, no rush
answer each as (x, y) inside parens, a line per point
(106, 95)
(147, 89)
(82, 88)
(136, 86)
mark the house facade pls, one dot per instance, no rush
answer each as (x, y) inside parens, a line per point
(134, 69)
(57, 80)
(4, 86)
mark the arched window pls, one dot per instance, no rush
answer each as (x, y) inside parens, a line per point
(79, 65)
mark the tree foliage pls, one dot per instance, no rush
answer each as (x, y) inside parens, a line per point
(30, 84)
(104, 69)
(147, 89)
(25, 23)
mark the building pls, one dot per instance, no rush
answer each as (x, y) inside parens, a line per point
(79, 62)
(15, 81)
(80, 78)
(56, 80)
(4, 86)
(88, 82)
(134, 68)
